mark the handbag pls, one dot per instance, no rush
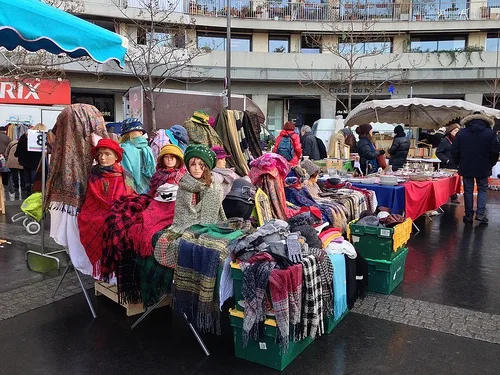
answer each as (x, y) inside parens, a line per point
(381, 161)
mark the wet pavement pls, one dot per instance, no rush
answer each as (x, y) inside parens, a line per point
(444, 317)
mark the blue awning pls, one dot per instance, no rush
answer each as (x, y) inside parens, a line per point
(35, 26)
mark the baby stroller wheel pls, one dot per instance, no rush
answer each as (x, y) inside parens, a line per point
(26, 221)
(33, 227)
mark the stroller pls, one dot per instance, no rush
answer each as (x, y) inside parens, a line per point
(32, 213)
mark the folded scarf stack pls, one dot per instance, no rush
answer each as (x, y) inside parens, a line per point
(312, 304)
(285, 286)
(202, 249)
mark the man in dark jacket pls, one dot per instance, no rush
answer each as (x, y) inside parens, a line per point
(475, 150)
(399, 148)
(309, 143)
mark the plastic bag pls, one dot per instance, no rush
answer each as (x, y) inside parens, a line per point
(32, 206)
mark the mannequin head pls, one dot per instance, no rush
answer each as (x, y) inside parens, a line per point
(106, 156)
(221, 163)
(107, 152)
(314, 178)
(197, 167)
(170, 161)
(170, 156)
(221, 155)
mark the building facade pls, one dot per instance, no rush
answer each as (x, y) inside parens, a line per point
(307, 60)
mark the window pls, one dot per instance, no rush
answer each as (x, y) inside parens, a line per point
(365, 47)
(434, 44)
(310, 44)
(161, 39)
(274, 119)
(279, 44)
(217, 42)
(104, 103)
(493, 41)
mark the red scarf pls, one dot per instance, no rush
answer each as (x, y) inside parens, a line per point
(105, 185)
(163, 176)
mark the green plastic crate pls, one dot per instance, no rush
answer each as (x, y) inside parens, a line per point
(264, 351)
(330, 323)
(384, 276)
(379, 243)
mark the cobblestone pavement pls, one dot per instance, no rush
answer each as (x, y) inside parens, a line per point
(30, 297)
(433, 316)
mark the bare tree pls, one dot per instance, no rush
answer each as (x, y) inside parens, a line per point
(20, 64)
(160, 48)
(361, 54)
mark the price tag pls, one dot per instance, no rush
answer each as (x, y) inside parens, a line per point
(35, 140)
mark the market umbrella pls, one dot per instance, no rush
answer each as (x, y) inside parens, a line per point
(35, 26)
(417, 112)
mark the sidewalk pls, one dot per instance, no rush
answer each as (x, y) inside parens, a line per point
(444, 318)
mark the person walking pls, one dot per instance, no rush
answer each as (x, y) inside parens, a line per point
(288, 144)
(16, 169)
(29, 159)
(399, 148)
(4, 142)
(309, 143)
(475, 151)
(443, 152)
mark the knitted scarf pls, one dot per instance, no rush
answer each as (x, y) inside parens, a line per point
(285, 286)
(119, 254)
(312, 306)
(105, 185)
(207, 211)
(154, 280)
(71, 160)
(225, 178)
(158, 216)
(163, 176)
(138, 160)
(256, 272)
(202, 249)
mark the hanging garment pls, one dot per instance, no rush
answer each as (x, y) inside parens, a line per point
(285, 286)
(326, 271)
(71, 160)
(312, 306)
(339, 285)
(105, 185)
(138, 160)
(251, 127)
(256, 273)
(225, 127)
(202, 133)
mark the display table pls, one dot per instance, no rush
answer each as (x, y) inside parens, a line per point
(392, 197)
(423, 196)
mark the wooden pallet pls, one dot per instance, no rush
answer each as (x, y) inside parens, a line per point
(111, 291)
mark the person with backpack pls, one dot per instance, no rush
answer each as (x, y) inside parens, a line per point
(309, 143)
(288, 144)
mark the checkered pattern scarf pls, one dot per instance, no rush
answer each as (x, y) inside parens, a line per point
(312, 304)
(326, 270)
(256, 272)
(285, 286)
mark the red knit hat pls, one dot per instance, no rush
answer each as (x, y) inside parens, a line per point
(108, 143)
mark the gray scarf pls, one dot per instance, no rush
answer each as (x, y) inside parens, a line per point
(207, 211)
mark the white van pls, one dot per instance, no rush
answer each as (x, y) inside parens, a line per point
(325, 127)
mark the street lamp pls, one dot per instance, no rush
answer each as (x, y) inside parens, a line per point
(228, 54)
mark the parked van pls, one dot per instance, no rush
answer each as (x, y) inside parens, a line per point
(325, 127)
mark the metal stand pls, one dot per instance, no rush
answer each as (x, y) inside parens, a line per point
(195, 333)
(89, 302)
(415, 226)
(148, 311)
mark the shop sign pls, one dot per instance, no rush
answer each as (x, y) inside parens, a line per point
(35, 91)
(355, 90)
